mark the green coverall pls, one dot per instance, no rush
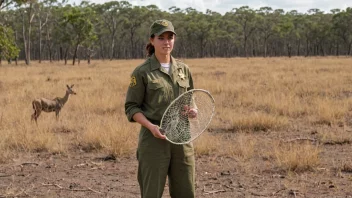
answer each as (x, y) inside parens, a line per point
(151, 90)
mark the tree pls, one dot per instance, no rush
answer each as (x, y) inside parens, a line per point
(343, 27)
(8, 48)
(267, 22)
(134, 19)
(51, 30)
(110, 18)
(247, 19)
(77, 27)
(6, 3)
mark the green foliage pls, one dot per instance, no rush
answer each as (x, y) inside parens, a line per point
(6, 3)
(76, 26)
(343, 25)
(8, 47)
(117, 29)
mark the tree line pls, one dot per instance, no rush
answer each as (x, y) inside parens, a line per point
(53, 30)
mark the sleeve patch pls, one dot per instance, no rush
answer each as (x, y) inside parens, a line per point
(133, 81)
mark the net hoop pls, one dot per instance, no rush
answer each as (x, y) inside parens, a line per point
(204, 126)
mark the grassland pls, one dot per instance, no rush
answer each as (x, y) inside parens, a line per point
(282, 115)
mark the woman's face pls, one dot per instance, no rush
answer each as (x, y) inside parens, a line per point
(163, 43)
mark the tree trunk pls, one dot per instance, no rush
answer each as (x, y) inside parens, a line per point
(75, 54)
(245, 46)
(50, 53)
(40, 41)
(299, 47)
(289, 49)
(201, 47)
(101, 49)
(30, 17)
(24, 39)
(132, 43)
(48, 43)
(307, 47)
(112, 47)
(66, 54)
(322, 50)
(265, 46)
(89, 55)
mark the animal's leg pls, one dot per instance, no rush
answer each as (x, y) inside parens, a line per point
(33, 115)
(37, 115)
(37, 111)
(57, 113)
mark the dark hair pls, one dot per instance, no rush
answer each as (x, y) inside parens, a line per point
(150, 48)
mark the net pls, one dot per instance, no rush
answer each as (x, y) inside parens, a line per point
(177, 123)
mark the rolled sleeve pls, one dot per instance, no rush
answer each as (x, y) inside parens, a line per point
(135, 96)
(131, 111)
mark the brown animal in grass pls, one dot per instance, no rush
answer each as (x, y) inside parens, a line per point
(48, 105)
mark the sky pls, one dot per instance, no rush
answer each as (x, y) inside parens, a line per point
(223, 6)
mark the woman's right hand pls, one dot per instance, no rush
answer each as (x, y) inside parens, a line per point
(154, 129)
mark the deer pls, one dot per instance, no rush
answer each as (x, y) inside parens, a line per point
(48, 105)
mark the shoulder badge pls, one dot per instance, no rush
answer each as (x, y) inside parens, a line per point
(133, 81)
(181, 74)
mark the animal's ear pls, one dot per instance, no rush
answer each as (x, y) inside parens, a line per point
(67, 87)
(72, 86)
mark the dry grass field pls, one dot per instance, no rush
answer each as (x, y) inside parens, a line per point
(283, 128)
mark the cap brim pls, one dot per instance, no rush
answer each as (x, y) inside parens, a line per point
(162, 31)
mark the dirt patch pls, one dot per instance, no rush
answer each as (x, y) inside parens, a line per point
(93, 174)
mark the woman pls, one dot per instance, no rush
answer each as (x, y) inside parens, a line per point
(154, 85)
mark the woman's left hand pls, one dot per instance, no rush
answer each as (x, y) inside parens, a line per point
(192, 113)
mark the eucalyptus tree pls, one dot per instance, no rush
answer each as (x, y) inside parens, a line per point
(45, 19)
(343, 27)
(133, 20)
(110, 20)
(42, 17)
(216, 33)
(8, 48)
(76, 28)
(52, 15)
(230, 35)
(7, 3)
(199, 30)
(8, 45)
(28, 11)
(334, 38)
(247, 19)
(298, 31)
(285, 28)
(267, 22)
(317, 28)
(177, 16)
(323, 31)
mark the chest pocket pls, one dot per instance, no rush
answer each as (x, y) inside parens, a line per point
(183, 85)
(155, 85)
(158, 92)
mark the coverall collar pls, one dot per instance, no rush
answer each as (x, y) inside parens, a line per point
(156, 65)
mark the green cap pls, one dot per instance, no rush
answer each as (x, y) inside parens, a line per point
(161, 26)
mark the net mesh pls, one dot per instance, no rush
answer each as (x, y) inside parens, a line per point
(177, 123)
